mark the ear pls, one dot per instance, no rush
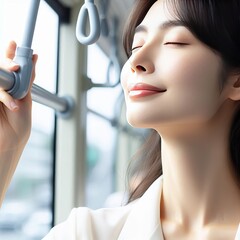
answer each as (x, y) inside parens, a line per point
(234, 88)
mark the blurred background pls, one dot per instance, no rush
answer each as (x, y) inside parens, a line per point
(82, 160)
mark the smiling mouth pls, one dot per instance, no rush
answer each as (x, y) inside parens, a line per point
(140, 90)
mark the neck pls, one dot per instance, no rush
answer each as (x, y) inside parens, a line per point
(199, 183)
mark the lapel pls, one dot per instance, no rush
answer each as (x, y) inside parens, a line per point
(143, 223)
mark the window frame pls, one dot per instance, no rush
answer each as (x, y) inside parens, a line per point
(63, 12)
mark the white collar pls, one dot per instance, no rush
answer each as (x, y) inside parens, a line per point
(143, 223)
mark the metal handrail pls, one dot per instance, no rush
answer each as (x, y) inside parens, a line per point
(62, 105)
(17, 83)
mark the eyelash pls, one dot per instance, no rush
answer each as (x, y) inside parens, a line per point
(135, 48)
(167, 43)
(176, 43)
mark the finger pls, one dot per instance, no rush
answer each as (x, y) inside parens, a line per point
(10, 52)
(10, 65)
(8, 101)
(34, 59)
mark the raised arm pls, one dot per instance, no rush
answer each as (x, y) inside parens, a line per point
(15, 124)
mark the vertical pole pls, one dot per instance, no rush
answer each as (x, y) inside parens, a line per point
(71, 133)
(30, 23)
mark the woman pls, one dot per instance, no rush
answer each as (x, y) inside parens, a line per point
(182, 79)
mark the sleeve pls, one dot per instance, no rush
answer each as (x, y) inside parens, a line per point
(69, 230)
(86, 224)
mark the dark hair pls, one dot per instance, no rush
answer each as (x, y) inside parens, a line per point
(216, 23)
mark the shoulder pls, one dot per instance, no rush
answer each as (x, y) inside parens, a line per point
(85, 223)
(127, 222)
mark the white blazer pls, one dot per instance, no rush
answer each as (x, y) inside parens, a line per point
(139, 220)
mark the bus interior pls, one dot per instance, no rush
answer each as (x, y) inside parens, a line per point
(80, 144)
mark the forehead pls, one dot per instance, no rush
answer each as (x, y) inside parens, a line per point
(159, 17)
(159, 12)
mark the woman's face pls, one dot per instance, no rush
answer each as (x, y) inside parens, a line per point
(171, 77)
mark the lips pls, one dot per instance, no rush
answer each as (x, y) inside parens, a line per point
(143, 90)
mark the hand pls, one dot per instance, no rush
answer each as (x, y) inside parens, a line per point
(15, 115)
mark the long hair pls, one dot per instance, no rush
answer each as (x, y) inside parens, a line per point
(216, 23)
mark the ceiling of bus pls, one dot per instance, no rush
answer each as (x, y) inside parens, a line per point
(116, 8)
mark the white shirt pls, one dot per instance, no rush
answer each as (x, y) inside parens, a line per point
(139, 220)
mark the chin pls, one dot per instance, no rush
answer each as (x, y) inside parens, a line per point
(138, 122)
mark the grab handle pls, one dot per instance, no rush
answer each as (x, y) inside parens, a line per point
(88, 10)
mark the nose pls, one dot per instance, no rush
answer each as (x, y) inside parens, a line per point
(141, 61)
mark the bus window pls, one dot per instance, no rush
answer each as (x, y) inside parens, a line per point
(26, 213)
(111, 142)
(101, 132)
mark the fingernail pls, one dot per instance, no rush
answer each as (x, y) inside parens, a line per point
(13, 106)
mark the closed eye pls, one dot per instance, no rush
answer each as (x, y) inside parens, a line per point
(176, 43)
(134, 48)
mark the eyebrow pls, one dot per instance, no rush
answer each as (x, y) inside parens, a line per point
(163, 26)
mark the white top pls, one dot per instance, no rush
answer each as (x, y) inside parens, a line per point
(139, 220)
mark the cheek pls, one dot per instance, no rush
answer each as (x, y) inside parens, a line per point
(195, 87)
(193, 77)
(199, 69)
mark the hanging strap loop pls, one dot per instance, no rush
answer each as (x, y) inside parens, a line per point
(88, 10)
